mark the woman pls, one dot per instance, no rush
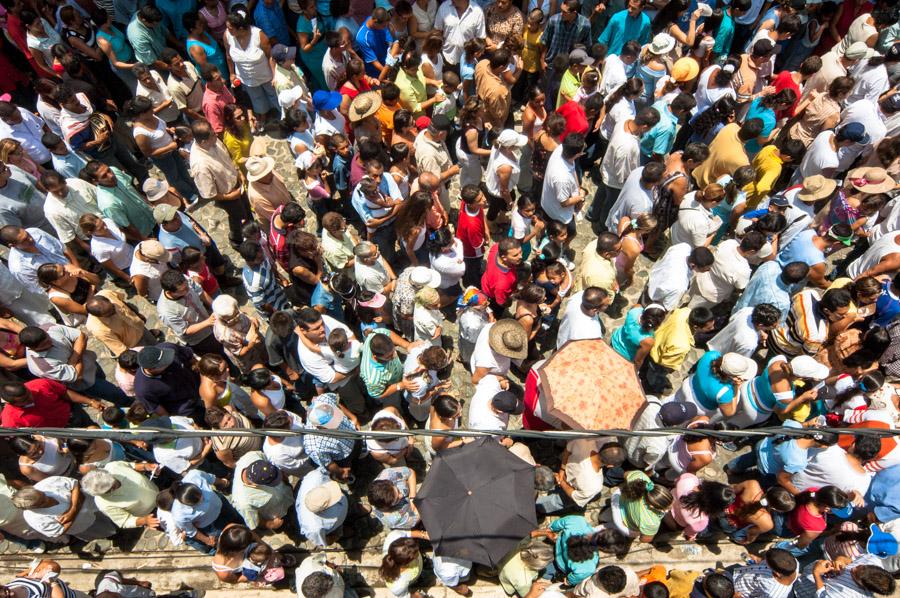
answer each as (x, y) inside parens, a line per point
(691, 452)
(12, 352)
(632, 246)
(547, 140)
(472, 144)
(229, 449)
(357, 82)
(80, 34)
(401, 565)
(405, 132)
(12, 153)
(40, 37)
(530, 303)
(766, 108)
(808, 519)
(214, 14)
(704, 126)
(820, 112)
(155, 141)
(446, 414)
(237, 136)
(216, 387)
(618, 107)
(68, 292)
(422, 22)
(847, 12)
(248, 53)
(853, 205)
(267, 391)
(634, 339)
(855, 352)
(715, 83)
(696, 502)
(41, 457)
(716, 382)
(773, 390)
(232, 547)
(502, 19)
(778, 458)
(433, 58)
(201, 46)
(503, 173)
(446, 254)
(411, 229)
(401, 169)
(667, 19)
(638, 506)
(115, 46)
(390, 451)
(305, 266)
(751, 513)
(533, 116)
(654, 63)
(311, 43)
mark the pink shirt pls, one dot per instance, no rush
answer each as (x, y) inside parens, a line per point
(213, 107)
(693, 522)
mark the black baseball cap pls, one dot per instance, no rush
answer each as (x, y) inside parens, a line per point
(263, 473)
(440, 122)
(156, 357)
(507, 402)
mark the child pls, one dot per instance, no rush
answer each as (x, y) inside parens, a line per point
(300, 139)
(344, 351)
(185, 139)
(472, 230)
(108, 246)
(126, 369)
(531, 54)
(450, 87)
(472, 52)
(318, 192)
(513, 71)
(370, 311)
(472, 315)
(340, 164)
(379, 205)
(524, 225)
(427, 319)
(193, 264)
(590, 85)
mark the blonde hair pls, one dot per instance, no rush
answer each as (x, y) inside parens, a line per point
(427, 297)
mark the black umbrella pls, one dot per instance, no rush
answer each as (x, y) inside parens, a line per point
(477, 502)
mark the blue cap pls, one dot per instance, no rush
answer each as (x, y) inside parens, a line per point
(881, 543)
(855, 132)
(843, 513)
(326, 100)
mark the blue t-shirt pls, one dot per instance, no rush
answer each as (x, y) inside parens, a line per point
(622, 28)
(773, 457)
(887, 306)
(566, 527)
(627, 338)
(373, 45)
(185, 236)
(767, 116)
(709, 390)
(661, 138)
(724, 35)
(801, 249)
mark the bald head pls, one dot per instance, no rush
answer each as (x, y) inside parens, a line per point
(202, 130)
(428, 181)
(99, 307)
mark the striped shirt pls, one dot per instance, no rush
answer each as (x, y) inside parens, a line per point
(40, 589)
(757, 581)
(378, 376)
(637, 514)
(839, 586)
(805, 329)
(263, 289)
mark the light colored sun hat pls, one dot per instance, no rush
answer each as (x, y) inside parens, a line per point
(155, 189)
(225, 306)
(738, 366)
(871, 180)
(153, 249)
(508, 338)
(258, 167)
(363, 105)
(322, 497)
(662, 44)
(816, 187)
(163, 213)
(425, 277)
(509, 138)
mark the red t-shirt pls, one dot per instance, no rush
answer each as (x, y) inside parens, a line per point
(470, 230)
(49, 408)
(498, 282)
(576, 120)
(784, 80)
(802, 520)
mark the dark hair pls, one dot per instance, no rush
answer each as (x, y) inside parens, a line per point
(257, 379)
(652, 317)
(445, 405)
(695, 152)
(840, 86)
(718, 585)
(580, 548)
(765, 315)
(793, 149)
(655, 495)
(188, 494)
(667, 15)
(611, 578)
(710, 498)
(866, 448)
(829, 496)
(657, 589)
(235, 538)
(751, 129)
(437, 240)
(718, 113)
(648, 117)
(781, 561)
(381, 495)
(32, 336)
(572, 145)
(633, 88)
(700, 316)
(875, 579)
(795, 272)
(171, 280)
(400, 553)
(317, 585)
(834, 299)
(701, 257)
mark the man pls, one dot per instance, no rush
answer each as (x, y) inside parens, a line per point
(458, 21)
(56, 507)
(773, 577)
(68, 199)
(119, 201)
(835, 64)
(331, 454)
(629, 24)
(872, 116)
(321, 508)
(585, 465)
(318, 578)
(657, 143)
(380, 368)
(29, 249)
(116, 324)
(768, 164)
(215, 97)
(30, 307)
(730, 271)
(266, 190)
(494, 93)
(561, 195)
(432, 156)
(184, 84)
(261, 281)
(822, 156)
(811, 248)
(21, 202)
(622, 156)
(65, 162)
(580, 118)
(581, 317)
(808, 324)
(613, 580)
(334, 64)
(674, 341)
(746, 331)
(217, 179)
(598, 264)
(754, 72)
(259, 492)
(60, 353)
(696, 224)
(861, 577)
(727, 152)
(672, 274)
(26, 128)
(497, 344)
(644, 452)
(617, 67)
(184, 308)
(491, 406)
(499, 279)
(178, 232)
(40, 403)
(637, 197)
(371, 271)
(166, 383)
(147, 35)
(123, 494)
(373, 40)
(773, 284)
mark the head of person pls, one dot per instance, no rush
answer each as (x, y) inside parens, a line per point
(509, 251)
(701, 259)
(100, 307)
(400, 554)
(573, 146)
(835, 304)
(99, 482)
(782, 564)
(701, 319)
(536, 554)
(568, 10)
(317, 584)
(717, 585)
(380, 18)
(35, 338)
(694, 155)
(709, 498)
(875, 579)
(608, 245)
(751, 129)
(16, 393)
(645, 120)
(29, 498)
(826, 498)
(98, 173)
(580, 548)
(711, 195)
(595, 300)
(655, 496)
(149, 16)
(214, 78)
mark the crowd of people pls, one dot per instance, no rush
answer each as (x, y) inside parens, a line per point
(402, 185)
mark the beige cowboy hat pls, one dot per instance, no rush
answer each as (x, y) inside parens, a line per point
(363, 105)
(508, 338)
(816, 187)
(871, 180)
(258, 167)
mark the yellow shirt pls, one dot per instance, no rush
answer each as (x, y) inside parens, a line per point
(531, 53)
(767, 165)
(238, 147)
(726, 154)
(674, 340)
(412, 91)
(597, 271)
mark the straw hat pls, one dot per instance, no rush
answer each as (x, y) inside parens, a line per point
(685, 69)
(662, 44)
(508, 338)
(871, 180)
(155, 189)
(153, 249)
(816, 187)
(363, 105)
(258, 167)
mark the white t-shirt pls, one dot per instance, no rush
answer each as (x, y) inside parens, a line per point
(622, 157)
(481, 415)
(622, 111)
(115, 249)
(371, 278)
(425, 325)
(730, 271)
(632, 200)
(738, 335)
(580, 472)
(695, 223)
(151, 271)
(819, 157)
(457, 30)
(577, 325)
(288, 454)
(520, 225)
(451, 266)
(670, 277)
(321, 365)
(613, 75)
(45, 520)
(484, 357)
(176, 454)
(349, 361)
(830, 467)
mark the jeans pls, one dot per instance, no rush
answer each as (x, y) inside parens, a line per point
(238, 212)
(176, 171)
(385, 238)
(604, 199)
(263, 98)
(655, 378)
(474, 270)
(744, 462)
(103, 390)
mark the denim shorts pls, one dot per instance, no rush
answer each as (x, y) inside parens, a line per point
(263, 98)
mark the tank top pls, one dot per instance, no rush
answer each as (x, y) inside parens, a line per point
(707, 96)
(492, 182)
(761, 393)
(650, 77)
(250, 63)
(158, 137)
(463, 142)
(275, 396)
(214, 54)
(539, 159)
(428, 445)
(215, 23)
(52, 462)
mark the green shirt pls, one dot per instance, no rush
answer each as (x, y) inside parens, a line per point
(148, 43)
(569, 86)
(124, 206)
(375, 375)
(637, 514)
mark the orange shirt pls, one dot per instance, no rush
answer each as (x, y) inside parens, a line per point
(385, 116)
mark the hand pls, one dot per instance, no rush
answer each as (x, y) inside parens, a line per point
(504, 384)
(209, 541)
(66, 519)
(696, 14)
(768, 90)
(822, 567)
(408, 385)
(856, 500)
(507, 442)
(233, 79)
(151, 522)
(439, 97)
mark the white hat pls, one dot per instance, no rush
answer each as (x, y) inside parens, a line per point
(662, 43)
(155, 189)
(322, 497)
(509, 138)
(804, 366)
(225, 306)
(305, 160)
(425, 277)
(289, 97)
(323, 415)
(857, 51)
(738, 366)
(258, 167)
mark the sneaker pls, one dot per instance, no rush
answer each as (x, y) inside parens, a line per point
(37, 547)
(193, 202)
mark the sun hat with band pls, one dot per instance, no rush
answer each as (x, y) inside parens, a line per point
(326, 100)
(871, 180)
(258, 167)
(804, 366)
(509, 138)
(225, 306)
(835, 233)
(323, 497)
(323, 415)
(816, 187)
(508, 338)
(153, 249)
(154, 189)
(662, 44)
(364, 105)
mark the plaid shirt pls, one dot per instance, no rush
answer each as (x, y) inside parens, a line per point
(560, 37)
(324, 450)
(262, 287)
(757, 581)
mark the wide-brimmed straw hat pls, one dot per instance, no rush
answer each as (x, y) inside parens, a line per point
(508, 338)
(363, 105)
